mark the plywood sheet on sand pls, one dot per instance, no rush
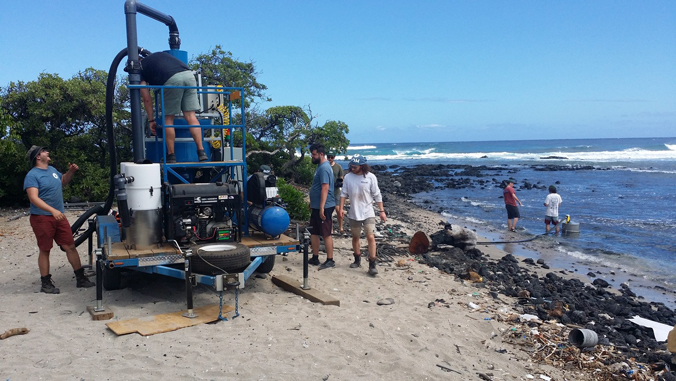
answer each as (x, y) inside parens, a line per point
(259, 239)
(167, 322)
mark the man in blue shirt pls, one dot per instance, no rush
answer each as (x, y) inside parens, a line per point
(322, 204)
(44, 184)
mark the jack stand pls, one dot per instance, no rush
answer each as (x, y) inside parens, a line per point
(99, 312)
(188, 286)
(306, 240)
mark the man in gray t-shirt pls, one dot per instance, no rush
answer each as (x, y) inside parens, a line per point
(322, 204)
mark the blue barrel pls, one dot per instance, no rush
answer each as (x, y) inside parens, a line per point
(271, 220)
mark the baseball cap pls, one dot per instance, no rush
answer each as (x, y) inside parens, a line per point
(358, 160)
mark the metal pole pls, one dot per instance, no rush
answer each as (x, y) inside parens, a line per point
(306, 241)
(188, 285)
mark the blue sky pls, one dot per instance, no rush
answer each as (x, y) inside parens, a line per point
(400, 71)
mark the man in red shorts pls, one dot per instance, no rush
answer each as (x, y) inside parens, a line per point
(44, 184)
(510, 203)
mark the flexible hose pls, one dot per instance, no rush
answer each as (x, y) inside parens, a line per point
(110, 135)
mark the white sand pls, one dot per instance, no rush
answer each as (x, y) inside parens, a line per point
(278, 336)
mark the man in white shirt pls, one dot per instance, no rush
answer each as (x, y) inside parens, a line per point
(361, 186)
(552, 202)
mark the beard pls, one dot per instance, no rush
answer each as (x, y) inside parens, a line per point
(316, 161)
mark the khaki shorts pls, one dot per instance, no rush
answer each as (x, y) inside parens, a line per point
(177, 100)
(369, 225)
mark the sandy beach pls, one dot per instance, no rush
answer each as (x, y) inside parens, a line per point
(438, 327)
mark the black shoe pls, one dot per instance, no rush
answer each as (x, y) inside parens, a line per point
(328, 264)
(171, 158)
(48, 286)
(314, 261)
(357, 261)
(202, 156)
(81, 280)
(372, 267)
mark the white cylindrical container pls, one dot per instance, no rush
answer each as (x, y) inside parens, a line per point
(145, 192)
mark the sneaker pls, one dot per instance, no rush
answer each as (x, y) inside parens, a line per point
(328, 264)
(314, 261)
(171, 158)
(357, 261)
(48, 286)
(372, 268)
(202, 156)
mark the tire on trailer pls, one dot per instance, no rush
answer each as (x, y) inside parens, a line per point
(112, 278)
(267, 265)
(229, 256)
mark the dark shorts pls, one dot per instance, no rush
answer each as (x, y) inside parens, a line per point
(319, 226)
(47, 230)
(512, 212)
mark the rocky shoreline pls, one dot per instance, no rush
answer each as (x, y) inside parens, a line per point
(551, 295)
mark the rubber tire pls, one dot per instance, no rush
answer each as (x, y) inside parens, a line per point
(266, 266)
(232, 259)
(112, 278)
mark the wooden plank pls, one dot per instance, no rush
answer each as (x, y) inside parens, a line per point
(167, 322)
(259, 240)
(106, 314)
(292, 285)
(118, 251)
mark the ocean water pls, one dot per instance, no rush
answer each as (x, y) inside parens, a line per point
(625, 204)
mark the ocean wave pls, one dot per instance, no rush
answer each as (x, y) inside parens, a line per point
(354, 148)
(627, 155)
(671, 147)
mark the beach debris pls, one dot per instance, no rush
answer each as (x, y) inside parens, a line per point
(385, 302)
(14, 332)
(660, 331)
(447, 369)
(438, 303)
(24, 214)
(463, 239)
(420, 244)
(473, 306)
(475, 278)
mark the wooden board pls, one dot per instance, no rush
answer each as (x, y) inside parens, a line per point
(292, 285)
(259, 239)
(120, 252)
(167, 322)
(106, 314)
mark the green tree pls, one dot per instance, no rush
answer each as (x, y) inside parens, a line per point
(68, 116)
(219, 68)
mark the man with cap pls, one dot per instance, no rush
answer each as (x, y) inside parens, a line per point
(322, 204)
(163, 69)
(338, 183)
(552, 202)
(510, 203)
(44, 184)
(361, 186)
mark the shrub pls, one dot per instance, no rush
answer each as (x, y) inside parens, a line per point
(297, 207)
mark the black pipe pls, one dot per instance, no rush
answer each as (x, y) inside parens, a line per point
(131, 7)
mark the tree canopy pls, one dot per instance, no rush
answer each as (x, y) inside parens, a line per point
(68, 116)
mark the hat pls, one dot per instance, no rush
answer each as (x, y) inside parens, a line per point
(330, 154)
(509, 181)
(33, 152)
(552, 188)
(358, 160)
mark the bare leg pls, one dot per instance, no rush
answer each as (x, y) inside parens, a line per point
(73, 257)
(328, 243)
(356, 247)
(509, 224)
(547, 228)
(314, 240)
(169, 133)
(340, 223)
(514, 224)
(195, 132)
(43, 262)
(372, 247)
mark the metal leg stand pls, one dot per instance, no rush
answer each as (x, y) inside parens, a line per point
(99, 281)
(306, 242)
(188, 286)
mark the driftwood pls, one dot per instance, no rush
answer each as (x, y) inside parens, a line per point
(14, 332)
(24, 214)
